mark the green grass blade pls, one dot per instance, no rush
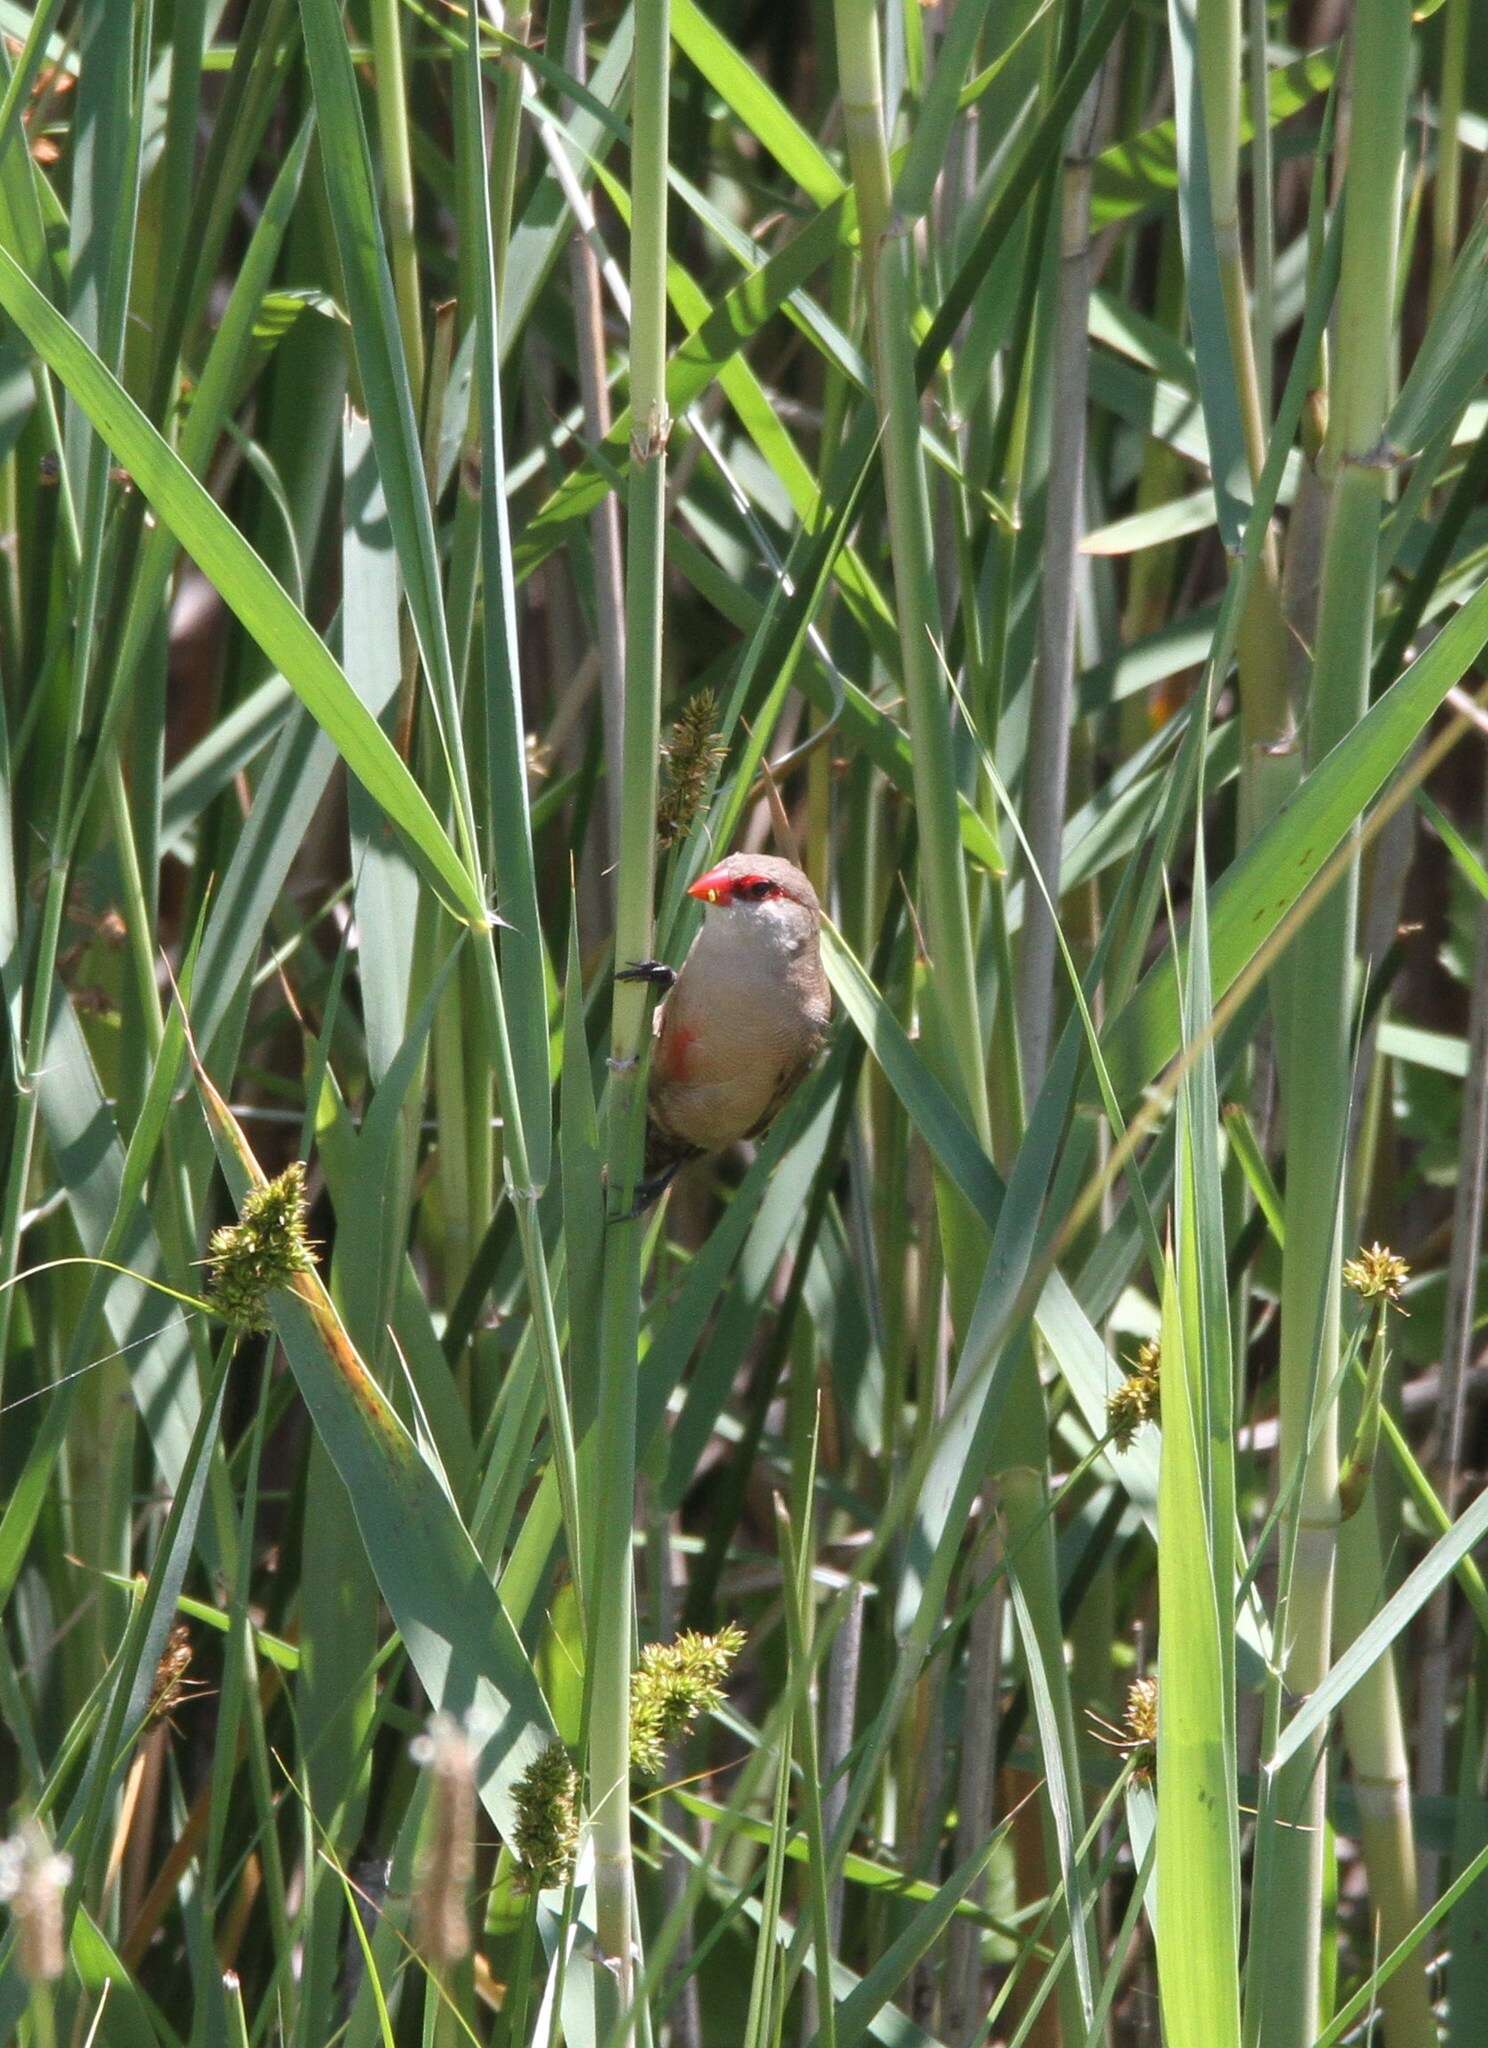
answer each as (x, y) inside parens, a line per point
(927, 1101)
(867, 1999)
(1453, 357)
(761, 110)
(1197, 1871)
(391, 403)
(1142, 172)
(1255, 895)
(458, 1635)
(1371, 1643)
(1064, 1813)
(245, 583)
(523, 962)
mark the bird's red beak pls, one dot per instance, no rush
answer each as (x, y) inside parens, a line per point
(713, 887)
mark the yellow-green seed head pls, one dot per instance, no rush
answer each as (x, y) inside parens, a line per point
(673, 1684)
(689, 758)
(1140, 1724)
(547, 1831)
(1138, 1399)
(1376, 1274)
(263, 1250)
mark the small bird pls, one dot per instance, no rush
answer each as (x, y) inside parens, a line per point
(744, 1017)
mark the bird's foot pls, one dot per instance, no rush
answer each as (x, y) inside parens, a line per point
(648, 1192)
(656, 972)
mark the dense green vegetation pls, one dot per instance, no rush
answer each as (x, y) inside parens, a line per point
(995, 1560)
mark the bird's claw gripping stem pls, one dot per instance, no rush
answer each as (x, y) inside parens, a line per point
(648, 1192)
(656, 972)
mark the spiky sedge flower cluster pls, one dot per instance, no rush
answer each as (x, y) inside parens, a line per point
(172, 1685)
(673, 1684)
(1376, 1275)
(1140, 1725)
(447, 1860)
(546, 1839)
(264, 1249)
(1136, 1738)
(33, 1878)
(1138, 1398)
(689, 758)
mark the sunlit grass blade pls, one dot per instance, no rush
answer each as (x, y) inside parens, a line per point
(524, 977)
(1255, 895)
(457, 1633)
(1197, 1837)
(245, 582)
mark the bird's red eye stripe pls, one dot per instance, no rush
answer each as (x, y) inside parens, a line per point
(718, 887)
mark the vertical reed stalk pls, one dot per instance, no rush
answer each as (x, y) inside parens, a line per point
(950, 1008)
(1053, 709)
(1268, 767)
(1446, 192)
(1373, 1723)
(977, 1781)
(508, 129)
(1219, 52)
(604, 524)
(1461, 1321)
(1020, 1454)
(1289, 1939)
(1263, 225)
(844, 1665)
(609, 1743)
(1374, 1732)
(956, 1036)
(397, 171)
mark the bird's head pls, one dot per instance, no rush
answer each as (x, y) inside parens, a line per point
(757, 891)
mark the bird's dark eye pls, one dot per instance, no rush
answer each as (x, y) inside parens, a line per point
(756, 891)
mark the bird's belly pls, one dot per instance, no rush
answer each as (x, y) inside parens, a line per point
(712, 1114)
(714, 1078)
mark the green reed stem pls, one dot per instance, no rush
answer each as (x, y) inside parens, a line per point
(890, 313)
(1446, 196)
(609, 1739)
(397, 171)
(1268, 764)
(1287, 1951)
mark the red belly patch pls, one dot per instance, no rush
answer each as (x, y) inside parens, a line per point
(674, 1050)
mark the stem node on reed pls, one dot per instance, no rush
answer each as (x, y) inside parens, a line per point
(650, 441)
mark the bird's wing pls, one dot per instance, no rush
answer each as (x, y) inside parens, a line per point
(791, 1077)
